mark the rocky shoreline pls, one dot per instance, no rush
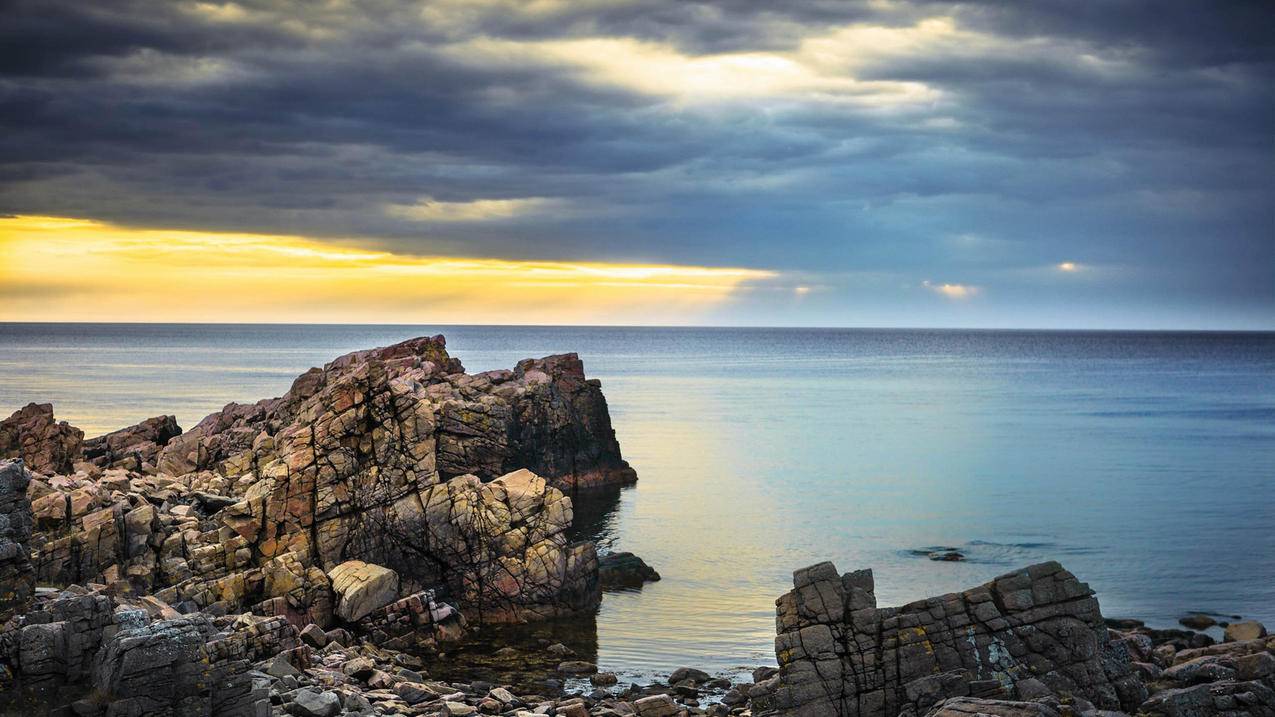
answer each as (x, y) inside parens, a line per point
(331, 550)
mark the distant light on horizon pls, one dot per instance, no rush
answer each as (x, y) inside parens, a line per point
(106, 272)
(952, 291)
(1068, 266)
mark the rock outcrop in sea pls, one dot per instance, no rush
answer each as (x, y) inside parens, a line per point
(306, 554)
(1031, 643)
(376, 494)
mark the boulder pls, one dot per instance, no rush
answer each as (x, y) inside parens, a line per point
(311, 702)
(839, 654)
(361, 588)
(624, 571)
(1246, 630)
(656, 706)
(1197, 621)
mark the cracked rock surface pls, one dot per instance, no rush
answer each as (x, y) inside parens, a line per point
(1033, 632)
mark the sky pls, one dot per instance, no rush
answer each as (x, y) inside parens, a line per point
(737, 162)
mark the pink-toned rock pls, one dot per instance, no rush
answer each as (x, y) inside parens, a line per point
(46, 445)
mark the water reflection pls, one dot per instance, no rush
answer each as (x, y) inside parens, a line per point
(518, 655)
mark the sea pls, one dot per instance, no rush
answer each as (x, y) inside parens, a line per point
(1144, 462)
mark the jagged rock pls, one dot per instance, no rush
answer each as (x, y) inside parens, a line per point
(46, 445)
(624, 570)
(356, 462)
(544, 415)
(361, 588)
(841, 655)
(17, 575)
(132, 447)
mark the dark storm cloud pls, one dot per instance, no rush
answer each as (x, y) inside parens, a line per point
(1134, 136)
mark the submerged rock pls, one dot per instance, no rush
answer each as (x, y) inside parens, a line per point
(1197, 621)
(624, 570)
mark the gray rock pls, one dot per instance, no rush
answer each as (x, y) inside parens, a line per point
(311, 702)
(841, 655)
(975, 707)
(688, 673)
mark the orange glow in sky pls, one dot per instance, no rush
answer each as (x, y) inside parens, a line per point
(61, 269)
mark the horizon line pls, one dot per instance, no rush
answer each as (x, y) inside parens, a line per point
(1074, 329)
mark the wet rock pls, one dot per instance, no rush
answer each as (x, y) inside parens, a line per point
(577, 667)
(624, 570)
(45, 445)
(839, 654)
(1197, 621)
(1247, 630)
(946, 556)
(604, 679)
(688, 673)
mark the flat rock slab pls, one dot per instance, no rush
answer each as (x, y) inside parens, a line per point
(362, 588)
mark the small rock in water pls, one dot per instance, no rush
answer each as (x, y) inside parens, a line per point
(1197, 621)
(682, 674)
(947, 556)
(624, 570)
(603, 679)
(577, 667)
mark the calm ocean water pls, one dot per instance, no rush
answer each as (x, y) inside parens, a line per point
(1144, 462)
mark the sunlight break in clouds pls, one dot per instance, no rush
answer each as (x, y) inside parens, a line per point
(429, 210)
(951, 291)
(1068, 266)
(111, 273)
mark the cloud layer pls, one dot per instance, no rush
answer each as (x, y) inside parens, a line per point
(874, 153)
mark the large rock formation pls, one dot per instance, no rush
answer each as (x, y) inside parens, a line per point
(390, 456)
(409, 410)
(46, 445)
(1031, 633)
(17, 577)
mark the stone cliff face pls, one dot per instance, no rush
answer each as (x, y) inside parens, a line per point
(410, 407)
(391, 456)
(17, 577)
(1028, 634)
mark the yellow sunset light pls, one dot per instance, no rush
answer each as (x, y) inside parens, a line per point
(60, 269)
